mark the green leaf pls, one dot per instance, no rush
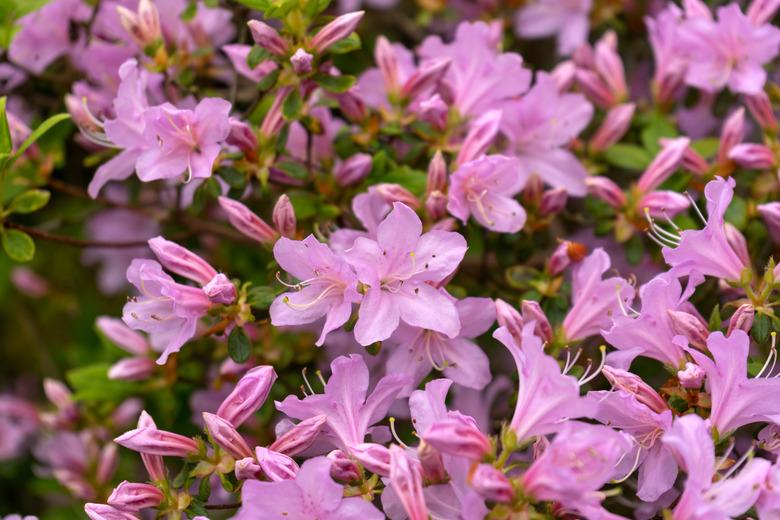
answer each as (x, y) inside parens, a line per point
(348, 44)
(18, 245)
(761, 326)
(707, 147)
(261, 297)
(627, 156)
(239, 347)
(337, 84)
(5, 132)
(293, 169)
(190, 11)
(260, 5)
(41, 130)
(256, 56)
(715, 321)
(291, 108)
(305, 204)
(91, 383)
(269, 80)
(658, 126)
(29, 201)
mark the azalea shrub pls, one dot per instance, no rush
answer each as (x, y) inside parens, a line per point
(432, 259)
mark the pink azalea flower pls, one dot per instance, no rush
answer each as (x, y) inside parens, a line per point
(350, 411)
(567, 20)
(730, 51)
(400, 271)
(479, 78)
(540, 126)
(485, 189)
(670, 62)
(370, 208)
(328, 286)
(417, 350)
(595, 301)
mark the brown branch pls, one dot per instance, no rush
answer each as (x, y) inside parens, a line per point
(222, 506)
(73, 241)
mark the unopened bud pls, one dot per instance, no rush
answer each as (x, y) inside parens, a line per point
(532, 311)
(242, 137)
(387, 63)
(225, 435)
(336, 30)
(479, 137)
(301, 61)
(606, 190)
(595, 88)
(688, 325)
(663, 203)
(431, 462)
(436, 205)
(152, 441)
(276, 466)
(106, 512)
(59, 394)
(491, 484)
(123, 336)
(352, 106)
(742, 318)
(731, 135)
(132, 369)
(342, 467)
(353, 170)
(434, 110)
(182, 261)
(249, 394)
(396, 193)
(564, 75)
(427, 76)
(245, 221)
(692, 376)
(284, 217)
(633, 384)
(248, 469)
(299, 437)
(761, 108)
(770, 212)
(267, 37)
(553, 201)
(507, 316)
(437, 174)
(132, 496)
(220, 290)
(107, 463)
(762, 11)
(752, 156)
(664, 164)
(614, 127)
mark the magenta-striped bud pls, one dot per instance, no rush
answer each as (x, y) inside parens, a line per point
(299, 437)
(436, 205)
(242, 137)
(427, 76)
(731, 135)
(663, 203)
(336, 30)
(284, 217)
(437, 174)
(391, 193)
(688, 325)
(507, 316)
(245, 221)
(248, 469)
(614, 127)
(343, 468)
(742, 319)
(108, 460)
(406, 480)
(491, 484)
(132, 369)
(133, 496)
(559, 259)
(106, 512)
(564, 75)
(434, 111)
(250, 393)
(181, 261)
(374, 457)
(458, 434)
(122, 336)
(480, 136)
(694, 162)
(692, 376)
(553, 201)
(633, 384)
(221, 290)
(606, 190)
(753, 156)
(664, 164)
(225, 435)
(761, 108)
(352, 106)
(532, 311)
(761, 11)
(276, 466)
(152, 441)
(301, 61)
(353, 170)
(267, 37)
(274, 119)
(595, 88)
(387, 63)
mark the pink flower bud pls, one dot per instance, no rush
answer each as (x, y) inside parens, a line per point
(437, 174)
(182, 261)
(220, 290)
(247, 222)
(248, 469)
(353, 170)
(510, 318)
(692, 376)
(132, 369)
(434, 110)
(595, 88)
(553, 201)
(374, 457)
(436, 205)
(633, 384)
(426, 77)
(154, 464)
(301, 61)
(732, 134)
(396, 193)
(336, 30)
(299, 437)
(459, 435)
(267, 37)
(126, 411)
(274, 119)
(242, 137)
(564, 75)
(694, 162)
(770, 212)
(75, 483)
(614, 127)
(107, 463)
(59, 394)
(479, 137)
(29, 283)
(660, 203)
(445, 224)
(742, 319)
(491, 484)
(223, 434)
(431, 462)
(106, 512)
(123, 336)
(762, 11)
(559, 259)
(688, 325)
(532, 311)
(386, 62)
(132, 496)
(352, 106)
(406, 480)
(737, 242)
(761, 108)
(609, 65)
(284, 217)
(752, 156)
(143, 25)
(249, 394)
(276, 466)
(606, 190)
(664, 164)
(343, 468)
(152, 441)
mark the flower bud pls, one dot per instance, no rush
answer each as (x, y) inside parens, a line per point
(479, 137)
(59, 394)
(431, 462)
(595, 88)
(182, 261)
(553, 201)
(276, 466)
(663, 203)
(274, 119)
(564, 75)
(508, 317)
(688, 325)
(299, 437)
(343, 468)
(144, 25)
(491, 484)
(220, 290)
(694, 162)
(770, 212)
(752, 156)
(374, 457)
(123, 336)
(107, 463)
(732, 134)
(532, 311)
(609, 65)
(406, 480)
(559, 259)
(762, 11)
(737, 242)
(126, 411)
(224, 435)
(386, 62)
(132, 369)
(606, 190)
(396, 193)
(352, 106)
(614, 127)
(284, 217)
(132, 496)
(692, 376)
(242, 137)
(664, 164)
(353, 170)
(249, 394)
(248, 469)
(75, 482)
(633, 384)
(761, 108)
(434, 111)
(247, 222)
(152, 441)
(267, 37)
(426, 77)
(106, 512)
(458, 434)
(301, 61)
(436, 205)
(336, 30)
(154, 464)
(437, 174)
(29, 283)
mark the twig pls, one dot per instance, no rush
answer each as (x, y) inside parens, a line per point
(72, 241)
(222, 506)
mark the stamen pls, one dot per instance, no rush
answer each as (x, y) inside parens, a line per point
(573, 362)
(722, 458)
(319, 376)
(304, 306)
(585, 379)
(695, 207)
(477, 200)
(623, 307)
(395, 434)
(741, 462)
(771, 357)
(633, 468)
(298, 286)
(659, 233)
(427, 342)
(670, 221)
(305, 379)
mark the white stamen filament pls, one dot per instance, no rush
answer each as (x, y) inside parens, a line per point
(772, 357)
(695, 207)
(306, 380)
(633, 467)
(587, 377)
(741, 462)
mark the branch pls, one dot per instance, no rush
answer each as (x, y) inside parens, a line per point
(72, 241)
(222, 506)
